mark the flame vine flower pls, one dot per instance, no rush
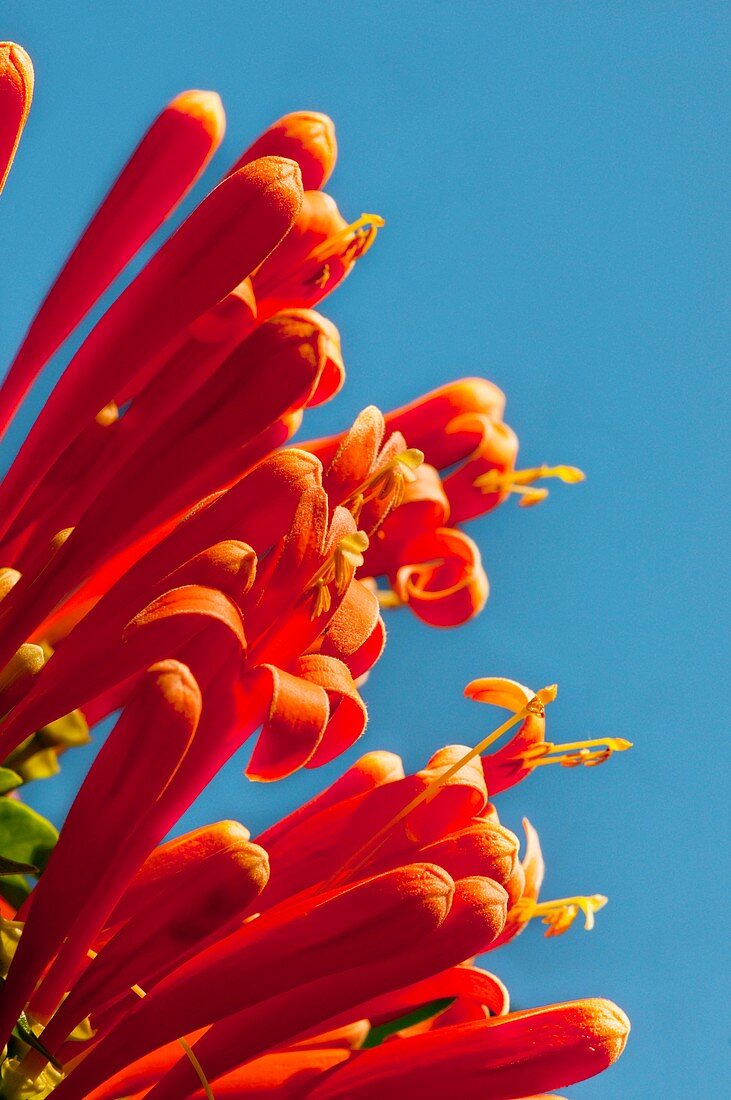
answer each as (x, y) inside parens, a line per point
(169, 556)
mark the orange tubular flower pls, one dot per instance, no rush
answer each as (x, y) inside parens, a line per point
(165, 165)
(170, 451)
(528, 749)
(432, 567)
(16, 93)
(165, 555)
(305, 136)
(538, 1049)
(286, 675)
(297, 947)
(224, 239)
(317, 255)
(169, 696)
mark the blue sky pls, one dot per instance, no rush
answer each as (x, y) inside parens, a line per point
(551, 176)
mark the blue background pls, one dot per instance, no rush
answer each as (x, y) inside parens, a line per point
(551, 175)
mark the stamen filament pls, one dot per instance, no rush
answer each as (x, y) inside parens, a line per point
(560, 913)
(182, 1042)
(339, 567)
(521, 481)
(389, 479)
(362, 229)
(573, 754)
(535, 705)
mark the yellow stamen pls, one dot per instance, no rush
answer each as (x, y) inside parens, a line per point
(520, 481)
(535, 705)
(573, 754)
(387, 598)
(560, 913)
(208, 1091)
(339, 568)
(351, 242)
(321, 279)
(387, 482)
(182, 1042)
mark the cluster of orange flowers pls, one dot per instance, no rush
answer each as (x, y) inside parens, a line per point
(166, 555)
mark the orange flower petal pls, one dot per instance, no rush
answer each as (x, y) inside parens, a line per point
(297, 715)
(202, 903)
(162, 169)
(348, 714)
(356, 634)
(444, 582)
(16, 93)
(374, 769)
(306, 137)
(439, 423)
(99, 823)
(193, 623)
(467, 982)
(220, 243)
(477, 911)
(279, 952)
(174, 857)
(504, 767)
(502, 1058)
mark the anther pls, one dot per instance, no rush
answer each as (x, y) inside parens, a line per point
(521, 482)
(574, 754)
(351, 242)
(339, 568)
(560, 913)
(388, 482)
(369, 849)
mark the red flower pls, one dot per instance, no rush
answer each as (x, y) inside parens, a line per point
(166, 556)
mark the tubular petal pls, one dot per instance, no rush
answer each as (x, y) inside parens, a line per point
(439, 422)
(258, 509)
(372, 770)
(162, 169)
(273, 954)
(196, 623)
(319, 252)
(175, 857)
(306, 137)
(97, 823)
(16, 93)
(200, 905)
(444, 582)
(475, 914)
(231, 231)
(505, 767)
(287, 1075)
(297, 714)
(503, 1058)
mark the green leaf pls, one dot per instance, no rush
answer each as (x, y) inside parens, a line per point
(9, 780)
(15, 889)
(25, 837)
(12, 867)
(379, 1034)
(22, 1031)
(37, 756)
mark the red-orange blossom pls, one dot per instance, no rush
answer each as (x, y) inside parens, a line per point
(166, 554)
